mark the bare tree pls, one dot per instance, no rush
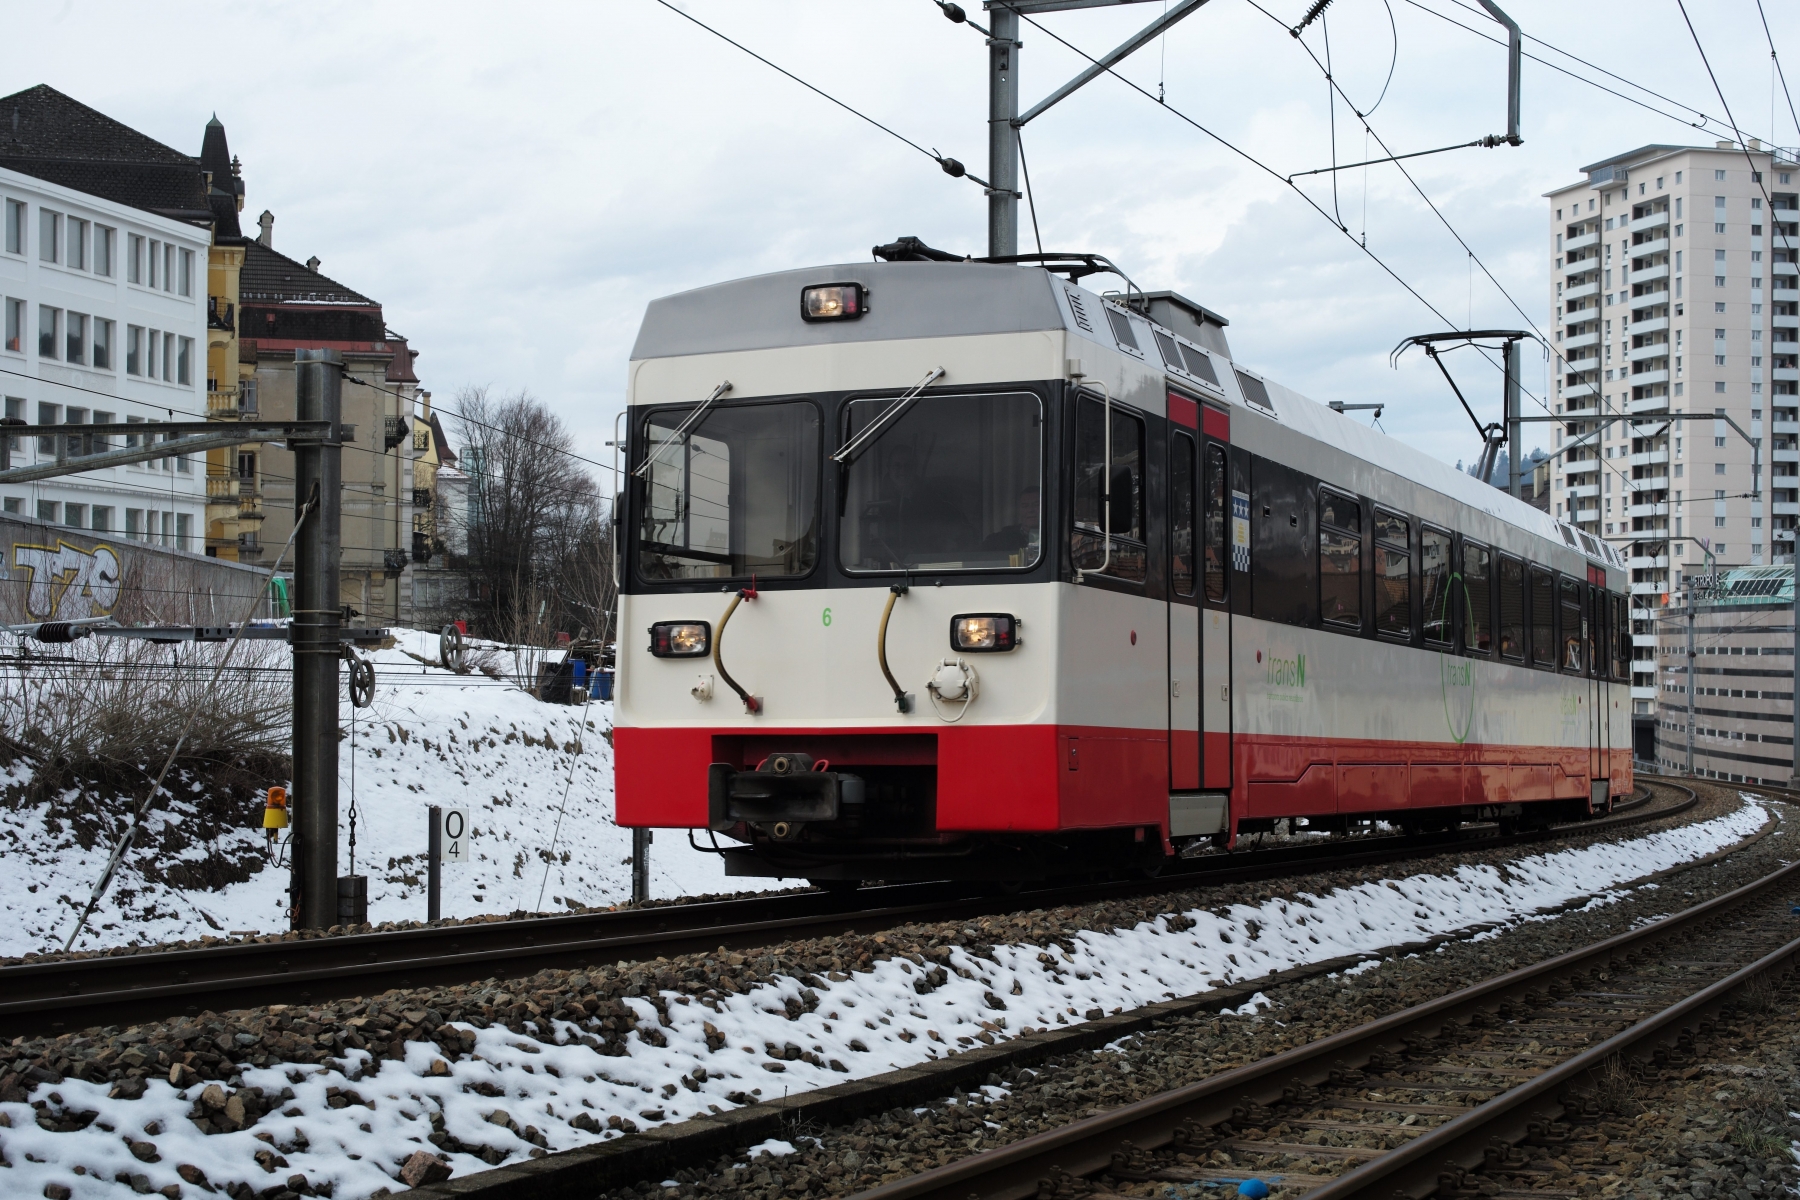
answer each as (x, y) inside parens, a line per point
(535, 519)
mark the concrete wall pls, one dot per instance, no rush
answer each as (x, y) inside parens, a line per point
(52, 572)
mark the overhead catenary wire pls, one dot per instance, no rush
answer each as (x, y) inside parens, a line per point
(1779, 73)
(950, 166)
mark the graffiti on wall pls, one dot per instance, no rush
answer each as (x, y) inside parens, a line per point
(68, 583)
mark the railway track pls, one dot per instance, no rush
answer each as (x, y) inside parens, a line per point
(1490, 1091)
(51, 997)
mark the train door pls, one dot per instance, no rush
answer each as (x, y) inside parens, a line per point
(1225, 535)
(1184, 611)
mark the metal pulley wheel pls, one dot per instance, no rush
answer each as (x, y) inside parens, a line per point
(450, 648)
(362, 682)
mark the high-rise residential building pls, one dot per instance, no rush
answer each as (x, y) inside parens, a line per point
(1674, 304)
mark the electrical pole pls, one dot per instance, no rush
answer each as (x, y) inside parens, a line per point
(1794, 776)
(1003, 134)
(318, 480)
(1515, 465)
(1690, 677)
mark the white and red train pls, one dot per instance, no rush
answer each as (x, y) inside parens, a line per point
(938, 569)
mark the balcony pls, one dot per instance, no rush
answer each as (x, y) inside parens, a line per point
(1648, 510)
(1786, 321)
(1786, 290)
(1789, 456)
(1650, 222)
(1577, 390)
(1578, 341)
(1646, 352)
(1649, 457)
(1787, 373)
(1653, 325)
(1656, 291)
(1582, 242)
(1582, 491)
(1649, 587)
(1581, 291)
(1650, 564)
(1651, 483)
(1784, 268)
(1784, 508)
(1647, 378)
(1646, 249)
(220, 314)
(1646, 275)
(421, 497)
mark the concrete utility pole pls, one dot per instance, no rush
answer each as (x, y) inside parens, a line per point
(1794, 776)
(1003, 134)
(1690, 677)
(318, 477)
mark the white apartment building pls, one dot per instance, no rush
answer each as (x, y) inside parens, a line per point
(1674, 295)
(104, 313)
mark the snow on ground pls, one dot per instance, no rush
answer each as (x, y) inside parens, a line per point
(536, 779)
(868, 1023)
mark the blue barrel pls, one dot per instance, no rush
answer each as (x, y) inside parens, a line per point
(603, 681)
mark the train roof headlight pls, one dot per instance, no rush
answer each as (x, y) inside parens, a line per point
(833, 302)
(980, 633)
(680, 639)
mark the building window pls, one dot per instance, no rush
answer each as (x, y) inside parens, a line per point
(184, 362)
(102, 519)
(46, 511)
(1719, 175)
(187, 273)
(15, 322)
(152, 340)
(168, 352)
(183, 529)
(103, 339)
(15, 227)
(152, 259)
(168, 268)
(103, 249)
(75, 515)
(75, 327)
(77, 256)
(134, 259)
(47, 317)
(1719, 386)
(49, 225)
(134, 349)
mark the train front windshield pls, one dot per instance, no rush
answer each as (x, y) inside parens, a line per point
(954, 483)
(738, 496)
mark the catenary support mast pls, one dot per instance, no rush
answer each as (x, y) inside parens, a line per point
(317, 472)
(1003, 134)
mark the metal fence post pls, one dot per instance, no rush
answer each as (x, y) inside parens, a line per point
(434, 872)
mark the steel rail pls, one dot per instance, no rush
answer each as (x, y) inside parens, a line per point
(62, 994)
(1087, 1147)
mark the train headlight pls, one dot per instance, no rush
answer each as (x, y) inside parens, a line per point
(680, 639)
(984, 632)
(833, 302)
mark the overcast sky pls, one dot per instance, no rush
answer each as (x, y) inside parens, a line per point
(515, 182)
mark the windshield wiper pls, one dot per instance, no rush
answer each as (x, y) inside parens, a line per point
(888, 415)
(685, 427)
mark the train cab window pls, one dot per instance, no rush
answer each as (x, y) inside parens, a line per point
(1477, 592)
(954, 483)
(1340, 560)
(1181, 514)
(737, 496)
(1214, 532)
(1543, 618)
(1569, 601)
(1512, 609)
(1089, 540)
(1393, 575)
(1434, 589)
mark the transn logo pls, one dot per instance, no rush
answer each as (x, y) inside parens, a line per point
(1286, 672)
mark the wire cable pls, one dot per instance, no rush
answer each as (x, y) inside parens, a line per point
(1782, 75)
(950, 165)
(142, 808)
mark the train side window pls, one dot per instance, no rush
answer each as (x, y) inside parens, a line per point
(1596, 639)
(1215, 523)
(1340, 560)
(1393, 575)
(1569, 595)
(1181, 513)
(1090, 535)
(1477, 589)
(1620, 639)
(1434, 576)
(1512, 608)
(1543, 618)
